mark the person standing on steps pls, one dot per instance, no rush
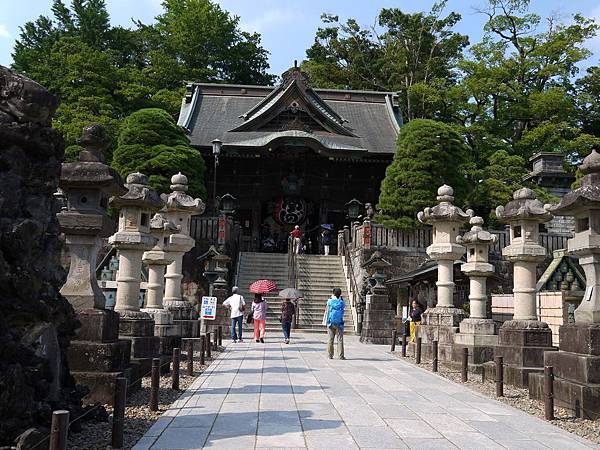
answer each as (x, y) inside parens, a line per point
(335, 323)
(259, 317)
(297, 237)
(287, 313)
(236, 305)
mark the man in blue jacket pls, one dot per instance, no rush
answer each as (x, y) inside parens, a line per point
(335, 323)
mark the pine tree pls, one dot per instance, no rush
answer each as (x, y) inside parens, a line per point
(428, 154)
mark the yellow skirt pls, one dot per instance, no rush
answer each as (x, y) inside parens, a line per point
(413, 330)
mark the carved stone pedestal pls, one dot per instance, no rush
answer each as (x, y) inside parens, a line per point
(97, 356)
(144, 345)
(522, 344)
(441, 324)
(576, 371)
(379, 321)
(478, 335)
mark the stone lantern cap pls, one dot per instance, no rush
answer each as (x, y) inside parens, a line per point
(524, 206)
(444, 211)
(376, 262)
(477, 235)
(178, 200)
(588, 195)
(139, 194)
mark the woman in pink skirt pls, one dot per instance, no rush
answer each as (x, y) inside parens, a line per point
(259, 315)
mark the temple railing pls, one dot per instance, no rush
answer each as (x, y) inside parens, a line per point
(374, 235)
(354, 292)
(293, 274)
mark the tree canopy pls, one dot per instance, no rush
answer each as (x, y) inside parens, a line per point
(428, 154)
(151, 142)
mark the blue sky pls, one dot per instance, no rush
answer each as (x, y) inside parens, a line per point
(288, 27)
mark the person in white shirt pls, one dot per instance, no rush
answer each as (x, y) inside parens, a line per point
(236, 305)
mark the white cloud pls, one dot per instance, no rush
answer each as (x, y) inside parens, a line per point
(4, 31)
(275, 17)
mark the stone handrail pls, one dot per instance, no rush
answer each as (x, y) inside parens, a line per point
(354, 292)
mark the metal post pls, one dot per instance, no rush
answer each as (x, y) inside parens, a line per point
(418, 352)
(215, 185)
(215, 340)
(394, 336)
(549, 392)
(202, 345)
(154, 383)
(403, 345)
(465, 365)
(118, 424)
(59, 430)
(499, 376)
(434, 349)
(207, 346)
(190, 357)
(220, 334)
(175, 372)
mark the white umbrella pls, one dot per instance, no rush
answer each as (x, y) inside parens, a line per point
(290, 293)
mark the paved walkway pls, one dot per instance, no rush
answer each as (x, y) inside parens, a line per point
(291, 396)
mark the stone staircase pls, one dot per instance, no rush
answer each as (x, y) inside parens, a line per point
(256, 266)
(317, 276)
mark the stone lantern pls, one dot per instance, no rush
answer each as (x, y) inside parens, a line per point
(87, 184)
(157, 260)
(577, 365)
(476, 332)
(132, 239)
(179, 209)
(523, 340)
(96, 355)
(379, 315)
(439, 323)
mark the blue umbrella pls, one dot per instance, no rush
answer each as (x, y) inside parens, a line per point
(327, 226)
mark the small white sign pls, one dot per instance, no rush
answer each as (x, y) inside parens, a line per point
(405, 312)
(209, 308)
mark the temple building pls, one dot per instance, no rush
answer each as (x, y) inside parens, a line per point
(290, 154)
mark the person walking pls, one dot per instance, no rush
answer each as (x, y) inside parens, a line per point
(287, 313)
(415, 319)
(335, 323)
(259, 317)
(297, 237)
(326, 240)
(236, 305)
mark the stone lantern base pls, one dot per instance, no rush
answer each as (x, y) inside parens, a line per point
(144, 345)
(165, 328)
(97, 356)
(478, 335)
(439, 323)
(576, 371)
(379, 320)
(522, 344)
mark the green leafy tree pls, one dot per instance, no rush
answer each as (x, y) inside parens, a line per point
(151, 142)
(428, 154)
(415, 55)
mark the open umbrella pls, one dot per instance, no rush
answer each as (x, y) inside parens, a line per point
(262, 286)
(290, 293)
(327, 226)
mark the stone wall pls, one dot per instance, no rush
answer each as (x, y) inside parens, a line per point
(37, 323)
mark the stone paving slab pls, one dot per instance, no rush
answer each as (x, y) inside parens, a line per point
(277, 396)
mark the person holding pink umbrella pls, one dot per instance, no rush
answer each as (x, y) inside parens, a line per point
(259, 317)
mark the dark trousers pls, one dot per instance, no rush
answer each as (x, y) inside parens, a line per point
(286, 327)
(236, 320)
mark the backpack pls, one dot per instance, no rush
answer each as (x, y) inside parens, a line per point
(336, 312)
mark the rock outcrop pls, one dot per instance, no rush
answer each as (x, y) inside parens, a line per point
(36, 322)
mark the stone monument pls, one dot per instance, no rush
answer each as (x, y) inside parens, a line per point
(577, 364)
(477, 332)
(157, 259)
(96, 356)
(441, 322)
(131, 240)
(179, 208)
(523, 340)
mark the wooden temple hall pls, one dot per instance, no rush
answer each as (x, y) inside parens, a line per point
(290, 154)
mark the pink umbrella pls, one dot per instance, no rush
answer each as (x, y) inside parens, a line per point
(262, 286)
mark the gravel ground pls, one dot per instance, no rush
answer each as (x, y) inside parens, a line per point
(518, 398)
(96, 435)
